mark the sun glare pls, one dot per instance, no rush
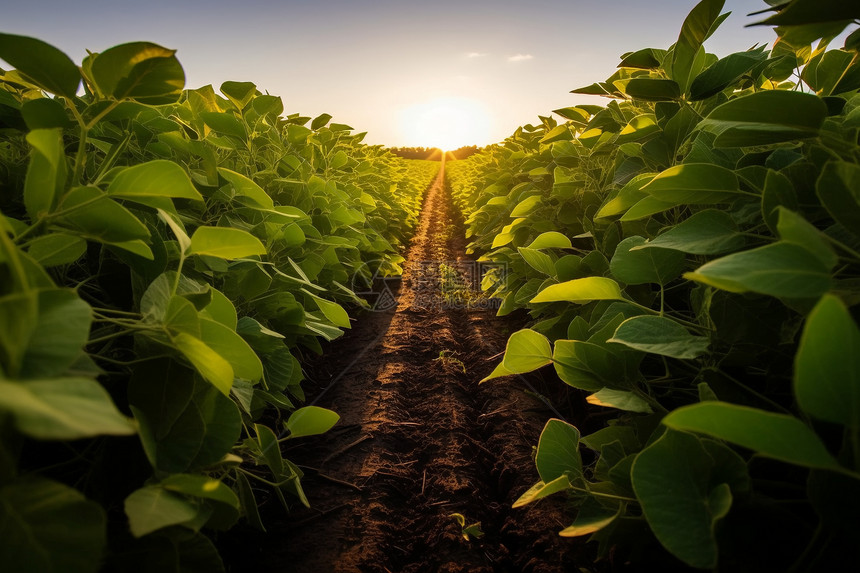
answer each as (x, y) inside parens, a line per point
(447, 123)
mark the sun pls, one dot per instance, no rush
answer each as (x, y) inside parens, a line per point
(447, 123)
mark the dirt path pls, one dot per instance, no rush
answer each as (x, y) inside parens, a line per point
(418, 440)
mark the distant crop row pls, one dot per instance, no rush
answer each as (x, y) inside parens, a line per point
(690, 253)
(165, 258)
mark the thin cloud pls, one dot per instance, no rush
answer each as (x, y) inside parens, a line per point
(472, 55)
(520, 58)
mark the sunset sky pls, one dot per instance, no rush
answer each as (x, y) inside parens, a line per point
(409, 73)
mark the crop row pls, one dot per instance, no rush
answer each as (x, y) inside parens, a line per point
(690, 254)
(166, 257)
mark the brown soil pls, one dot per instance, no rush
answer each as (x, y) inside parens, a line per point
(418, 440)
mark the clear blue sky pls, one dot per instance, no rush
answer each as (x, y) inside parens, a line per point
(370, 63)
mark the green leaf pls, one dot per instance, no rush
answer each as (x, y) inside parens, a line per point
(44, 113)
(526, 350)
(46, 172)
(224, 123)
(726, 72)
(803, 12)
(48, 527)
(591, 517)
(310, 421)
(230, 346)
(827, 364)
(541, 490)
(225, 243)
(142, 71)
(650, 89)
(766, 117)
(635, 267)
(249, 504)
(159, 178)
(696, 28)
(43, 64)
(62, 409)
(621, 400)
(221, 310)
(55, 249)
(526, 206)
(240, 93)
(793, 228)
(695, 184)
(201, 486)
(586, 365)
(838, 188)
(777, 436)
(151, 507)
(707, 232)
(779, 269)
(211, 365)
(539, 261)
(550, 240)
(671, 478)
(626, 197)
(61, 331)
(497, 372)
(270, 450)
(247, 188)
(581, 291)
(333, 311)
(558, 451)
(660, 335)
(94, 214)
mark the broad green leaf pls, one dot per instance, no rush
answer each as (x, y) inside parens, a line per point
(581, 291)
(224, 123)
(221, 309)
(333, 311)
(804, 12)
(650, 89)
(550, 240)
(541, 490)
(558, 133)
(586, 365)
(707, 232)
(793, 228)
(56, 249)
(626, 197)
(91, 212)
(777, 436)
(310, 421)
(178, 230)
(621, 400)
(240, 93)
(726, 72)
(696, 28)
(539, 261)
(558, 451)
(827, 364)
(635, 267)
(46, 172)
(694, 184)
(61, 331)
(779, 269)
(44, 113)
(838, 188)
(320, 121)
(646, 207)
(211, 365)
(151, 507)
(778, 191)
(142, 71)
(672, 480)
(526, 350)
(48, 527)
(526, 206)
(249, 503)
(765, 117)
(247, 188)
(225, 243)
(230, 346)
(158, 178)
(43, 64)
(62, 409)
(660, 335)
